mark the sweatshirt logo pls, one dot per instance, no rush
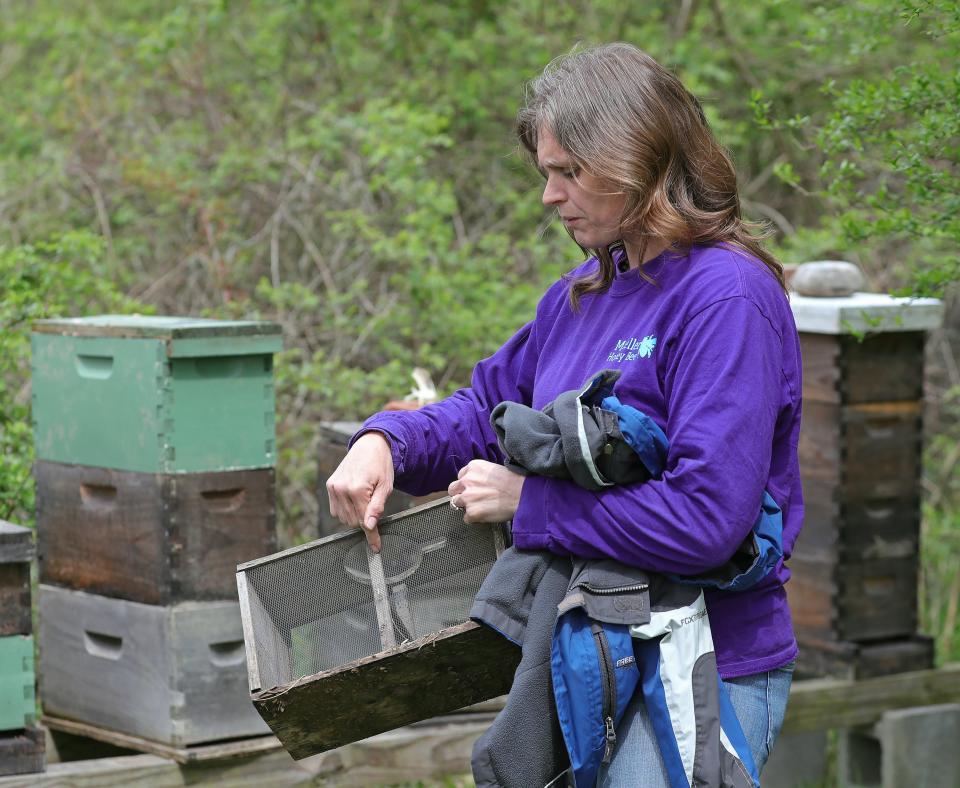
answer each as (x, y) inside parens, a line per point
(633, 348)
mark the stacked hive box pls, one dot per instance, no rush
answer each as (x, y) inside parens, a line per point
(155, 452)
(21, 742)
(854, 586)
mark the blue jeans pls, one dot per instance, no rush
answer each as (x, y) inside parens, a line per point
(760, 701)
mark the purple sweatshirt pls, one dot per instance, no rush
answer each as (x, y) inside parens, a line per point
(711, 353)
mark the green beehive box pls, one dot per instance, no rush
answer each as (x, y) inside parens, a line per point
(155, 394)
(18, 704)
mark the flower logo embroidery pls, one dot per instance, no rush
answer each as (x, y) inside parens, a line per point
(647, 346)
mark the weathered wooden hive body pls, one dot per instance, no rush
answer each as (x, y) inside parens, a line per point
(155, 538)
(853, 592)
(155, 478)
(169, 673)
(343, 643)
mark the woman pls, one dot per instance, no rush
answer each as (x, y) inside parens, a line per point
(680, 297)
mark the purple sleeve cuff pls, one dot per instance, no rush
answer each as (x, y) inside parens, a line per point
(397, 445)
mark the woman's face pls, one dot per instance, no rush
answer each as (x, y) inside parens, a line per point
(588, 207)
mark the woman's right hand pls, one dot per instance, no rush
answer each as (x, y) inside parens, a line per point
(359, 487)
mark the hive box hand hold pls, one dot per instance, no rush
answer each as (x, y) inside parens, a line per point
(343, 643)
(154, 394)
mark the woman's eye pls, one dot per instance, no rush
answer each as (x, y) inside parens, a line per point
(571, 173)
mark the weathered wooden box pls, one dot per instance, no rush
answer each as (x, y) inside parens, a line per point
(343, 643)
(867, 452)
(154, 394)
(845, 659)
(853, 600)
(334, 437)
(16, 552)
(22, 752)
(152, 538)
(174, 674)
(855, 564)
(18, 699)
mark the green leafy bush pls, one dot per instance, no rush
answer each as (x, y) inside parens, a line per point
(64, 276)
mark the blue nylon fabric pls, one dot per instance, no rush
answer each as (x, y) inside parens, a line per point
(648, 659)
(730, 724)
(642, 433)
(578, 688)
(767, 542)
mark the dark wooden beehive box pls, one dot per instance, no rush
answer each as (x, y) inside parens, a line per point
(23, 752)
(153, 538)
(847, 659)
(16, 553)
(334, 437)
(343, 644)
(855, 565)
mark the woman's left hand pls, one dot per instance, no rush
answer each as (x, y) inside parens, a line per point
(487, 492)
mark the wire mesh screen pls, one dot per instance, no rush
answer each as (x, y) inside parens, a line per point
(334, 601)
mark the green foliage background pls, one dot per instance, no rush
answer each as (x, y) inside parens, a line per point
(347, 168)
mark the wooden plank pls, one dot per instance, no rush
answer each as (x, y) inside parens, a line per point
(381, 601)
(825, 704)
(461, 665)
(190, 754)
(385, 523)
(408, 754)
(844, 659)
(154, 327)
(152, 771)
(152, 538)
(253, 671)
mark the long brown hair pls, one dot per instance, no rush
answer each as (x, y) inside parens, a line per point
(624, 118)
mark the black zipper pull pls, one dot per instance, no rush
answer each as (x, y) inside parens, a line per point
(611, 737)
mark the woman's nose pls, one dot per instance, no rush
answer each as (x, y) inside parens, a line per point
(552, 193)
